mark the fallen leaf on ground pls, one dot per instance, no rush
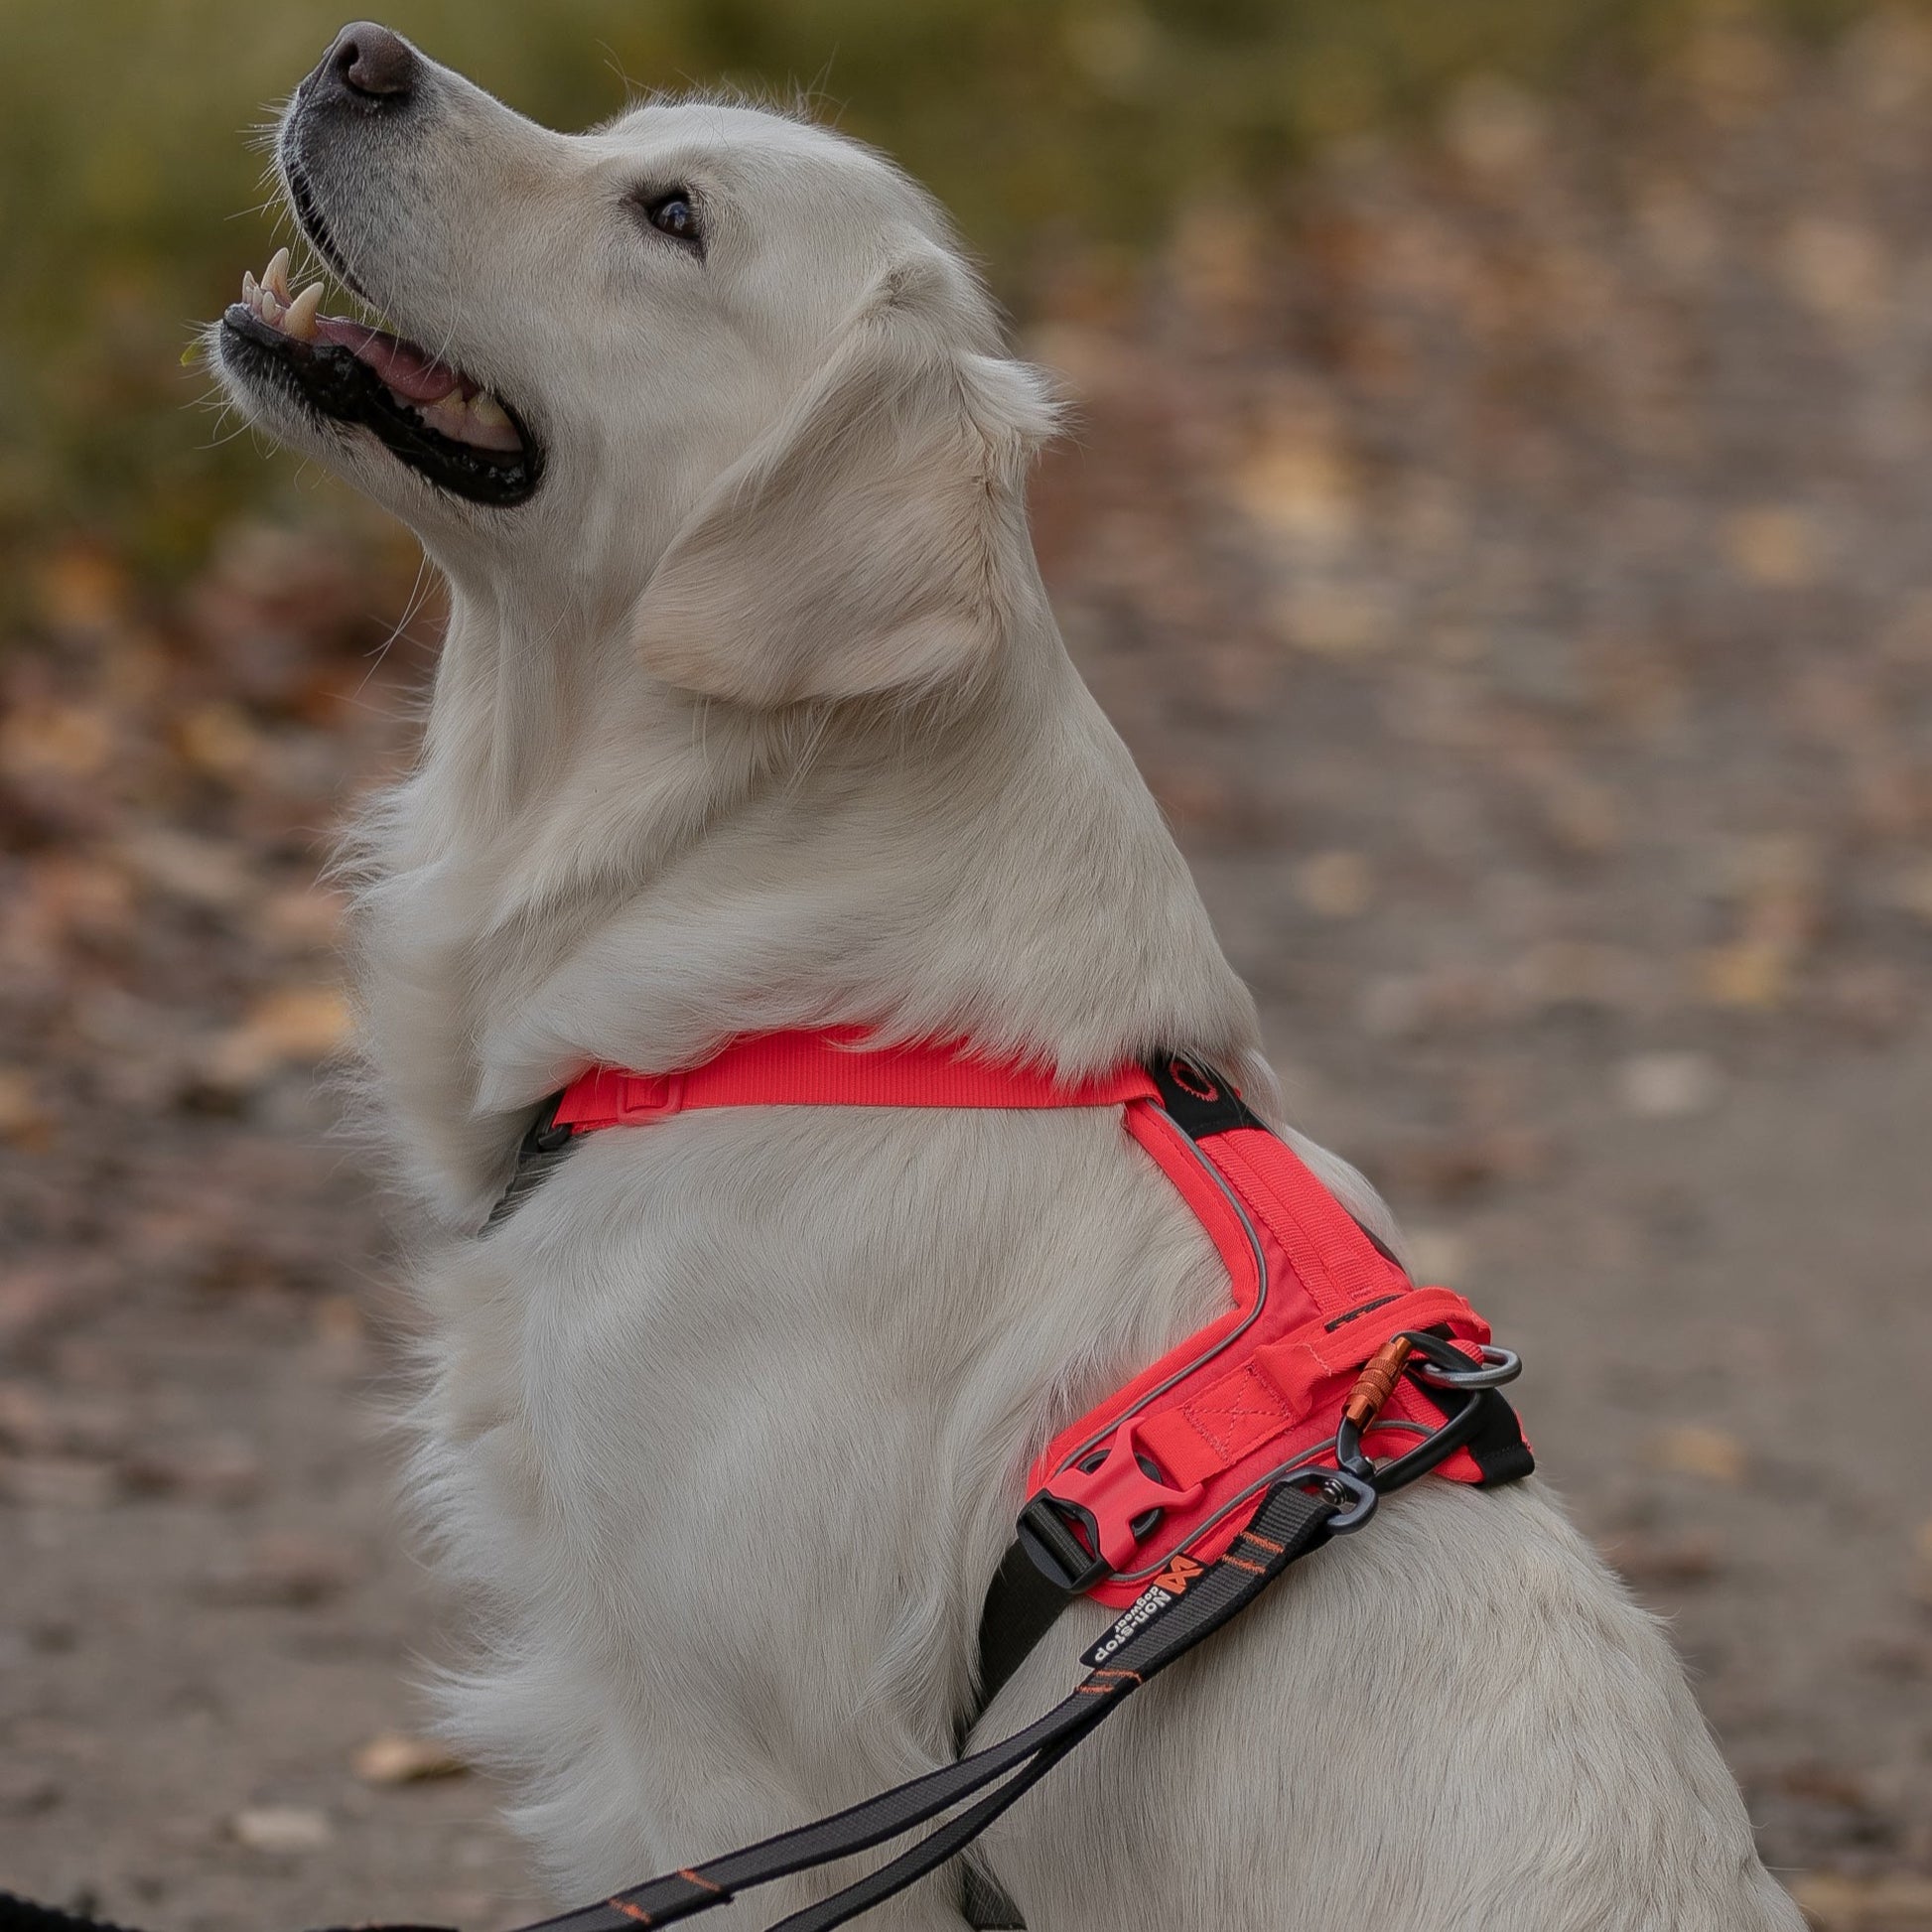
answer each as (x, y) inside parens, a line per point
(57, 1482)
(70, 742)
(286, 1571)
(1753, 974)
(1336, 885)
(1773, 546)
(22, 1120)
(200, 870)
(1825, 1784)
(39, 1421)
(223, 1470)
(296, 1026)
(281, 1828)
(1698, 1450)
(80, 588)
(395, 1757)
(1667, 1086)
(218, 739)
(1639, 1557)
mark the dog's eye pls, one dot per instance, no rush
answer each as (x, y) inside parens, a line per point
(674, 216)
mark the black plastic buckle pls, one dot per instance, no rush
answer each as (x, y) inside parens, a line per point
(1048, 1531)
(545, 1136)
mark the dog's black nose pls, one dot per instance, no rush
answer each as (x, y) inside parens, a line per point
(369, 61)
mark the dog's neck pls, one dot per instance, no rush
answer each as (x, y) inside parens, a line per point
(587, 864)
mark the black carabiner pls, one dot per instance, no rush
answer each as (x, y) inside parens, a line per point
(1443, 1367)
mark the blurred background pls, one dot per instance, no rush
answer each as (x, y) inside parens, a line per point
(1497, 517)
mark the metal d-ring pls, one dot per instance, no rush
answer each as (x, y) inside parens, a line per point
(1500, 1366)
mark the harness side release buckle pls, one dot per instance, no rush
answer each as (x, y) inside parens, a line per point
(1088, 1525)
(643, 1099)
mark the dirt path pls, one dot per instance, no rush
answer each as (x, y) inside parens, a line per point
(1508, 561)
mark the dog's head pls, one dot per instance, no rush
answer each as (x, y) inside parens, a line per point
(709, 371)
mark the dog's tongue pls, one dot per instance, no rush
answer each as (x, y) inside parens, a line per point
(402, 365)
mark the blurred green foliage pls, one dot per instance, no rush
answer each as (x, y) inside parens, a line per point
(130, 195)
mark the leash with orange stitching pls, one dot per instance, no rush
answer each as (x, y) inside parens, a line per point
(1300, 1512)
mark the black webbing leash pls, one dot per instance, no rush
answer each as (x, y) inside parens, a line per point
(1299, 1511)
(1294, 1518)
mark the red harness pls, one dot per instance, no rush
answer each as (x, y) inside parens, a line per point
(1176, 1461)
(1204, 1478)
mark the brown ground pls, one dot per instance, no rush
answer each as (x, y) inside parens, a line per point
(1508, 562)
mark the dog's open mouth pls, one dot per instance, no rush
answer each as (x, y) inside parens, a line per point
(428, 414)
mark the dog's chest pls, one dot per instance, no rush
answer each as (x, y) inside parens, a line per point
(708, 1373)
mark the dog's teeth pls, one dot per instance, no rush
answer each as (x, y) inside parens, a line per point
(487, 411)
(300, 322)
(275, 277)
(272, 311)
(250, 290)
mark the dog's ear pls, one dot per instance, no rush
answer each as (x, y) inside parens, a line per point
(873, 539)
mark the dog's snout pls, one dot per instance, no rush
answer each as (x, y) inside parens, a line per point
(369, 61)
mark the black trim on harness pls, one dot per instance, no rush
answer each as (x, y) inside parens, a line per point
(1497, 1447)
(1021, 1604)
(540, 1149)
(1199, 1100)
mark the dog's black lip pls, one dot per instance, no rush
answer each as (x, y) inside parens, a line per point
(332, 381)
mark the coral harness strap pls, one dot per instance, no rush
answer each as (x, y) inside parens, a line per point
(832, 1068)
(1173, 1461)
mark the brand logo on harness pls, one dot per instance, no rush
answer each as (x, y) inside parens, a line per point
(1190, 1079)
(1177, 1576)
(1167, 1589)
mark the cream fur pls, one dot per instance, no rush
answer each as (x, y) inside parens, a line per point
(756, 716)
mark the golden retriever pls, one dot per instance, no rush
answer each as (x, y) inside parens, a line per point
(753, 715)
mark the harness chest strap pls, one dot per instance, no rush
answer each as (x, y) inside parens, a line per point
(830, 1068)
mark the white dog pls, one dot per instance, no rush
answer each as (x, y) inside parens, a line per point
(753, 715)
